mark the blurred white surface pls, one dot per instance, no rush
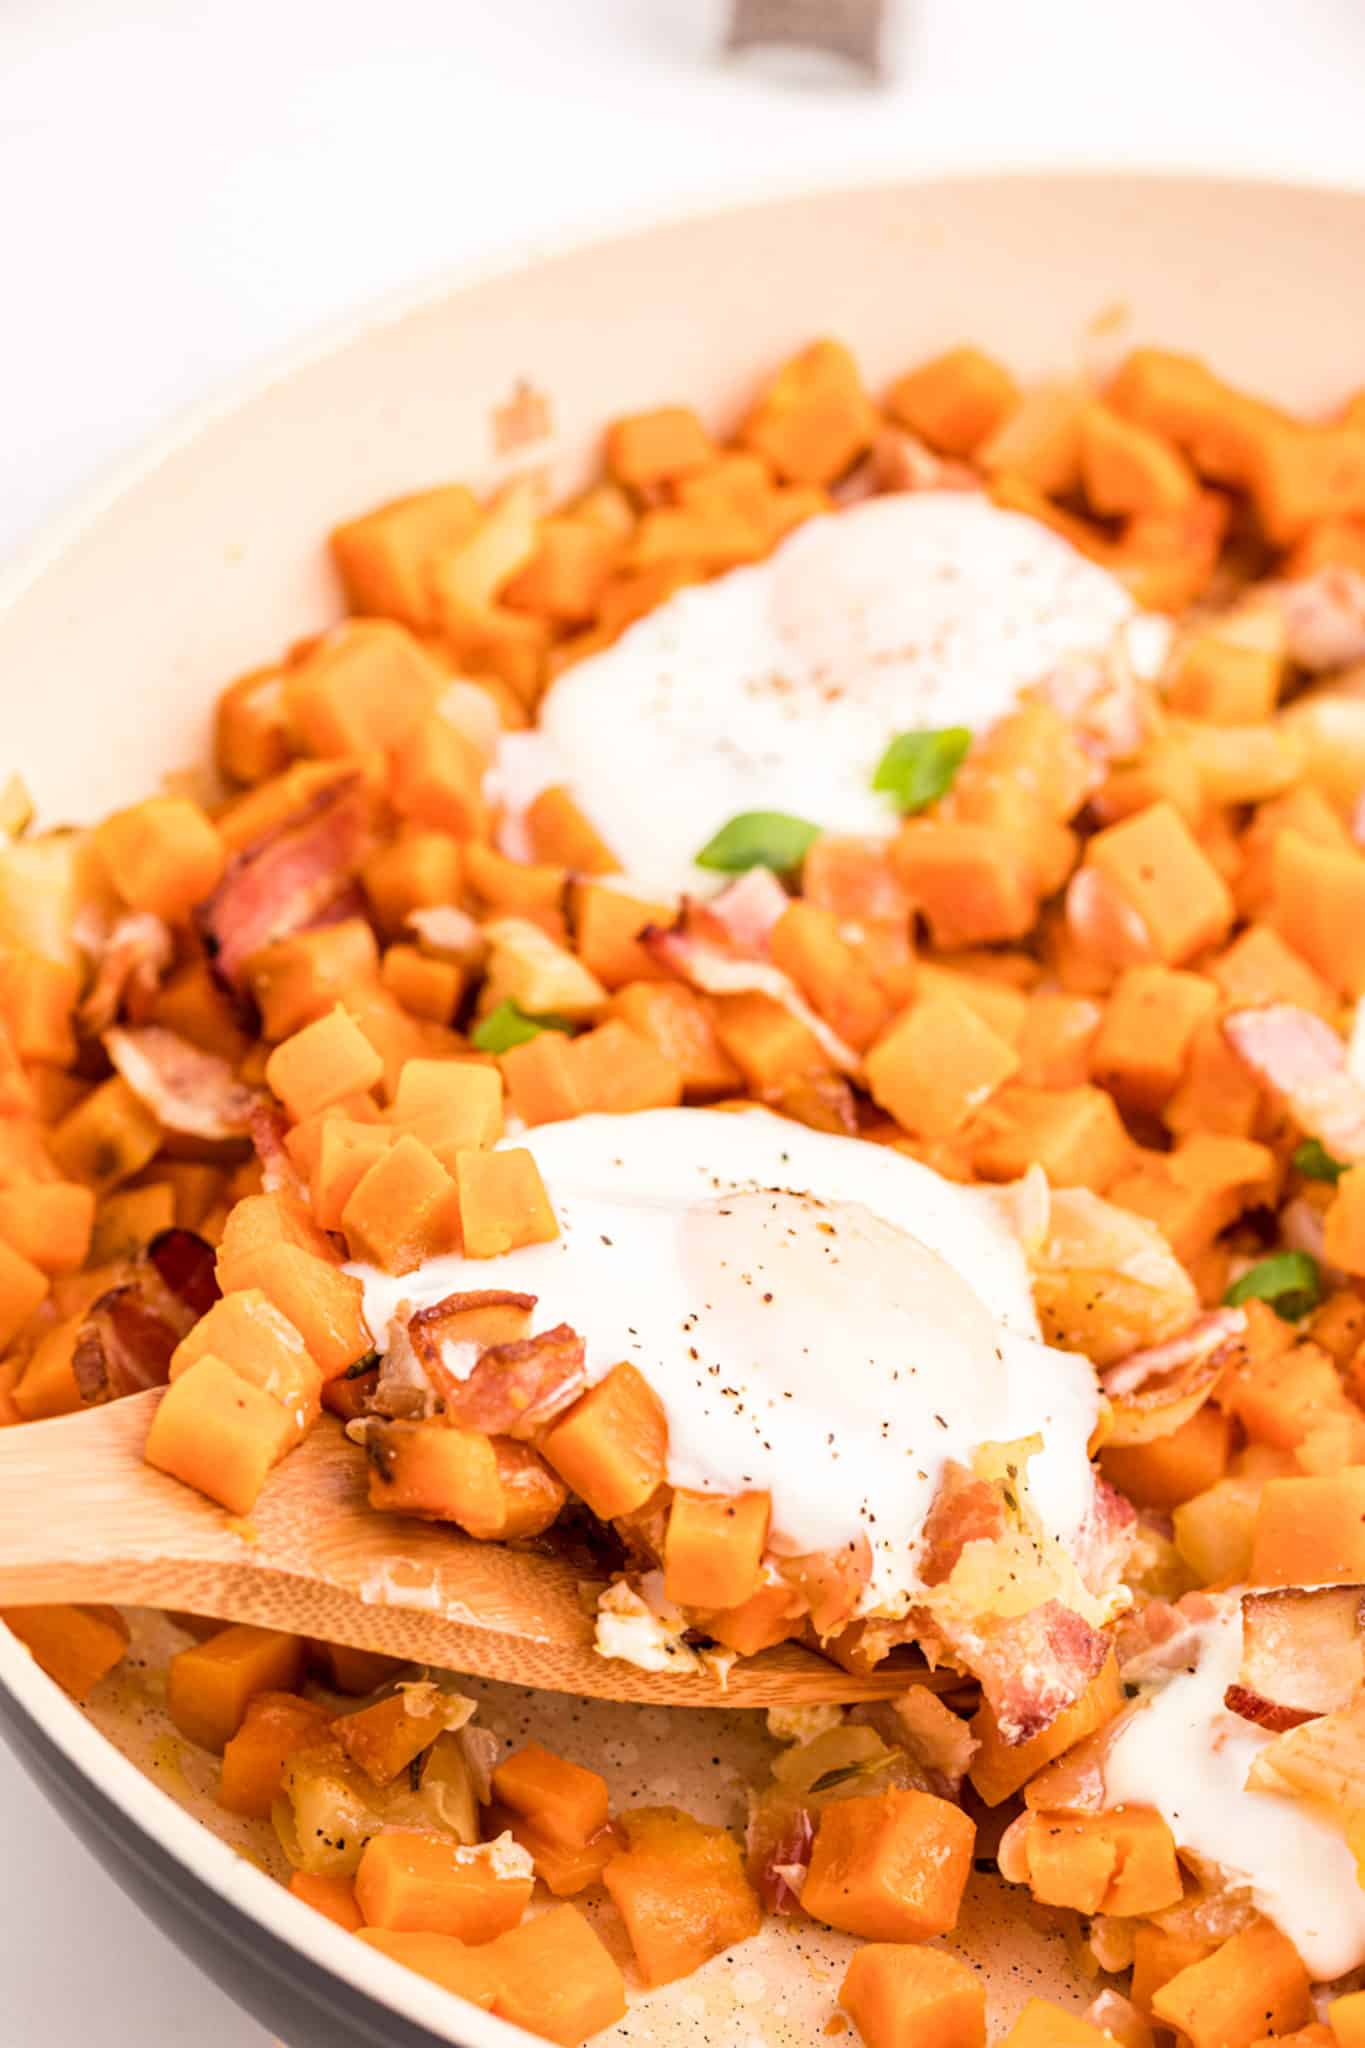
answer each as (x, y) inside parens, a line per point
(186, 189)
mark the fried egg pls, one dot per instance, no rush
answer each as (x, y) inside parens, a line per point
(779, 687)
(823, 1319)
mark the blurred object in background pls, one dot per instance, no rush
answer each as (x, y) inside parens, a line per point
(854, 31)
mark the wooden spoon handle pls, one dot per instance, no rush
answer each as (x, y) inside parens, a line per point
(83, 1518)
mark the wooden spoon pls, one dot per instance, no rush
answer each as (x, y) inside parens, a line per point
(82, 1518)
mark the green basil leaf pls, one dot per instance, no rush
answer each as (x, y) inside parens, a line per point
(1315, 1162)
(919, 767)
(1289, 1281)
(509, 1025)
(759, 839)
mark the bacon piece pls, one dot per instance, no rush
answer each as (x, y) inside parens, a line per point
(964, 1510)
(1303, 1061)
(1302, 1655)
(721, 947)
(1162, 1637)
(1101, 1551)
(1030, 1666)
(185, 1264)
(186, 1089)
(779, 1849)
(130, 956)
(1324, 617)
(123, 1346)
(287, 881)
(933, 1736)
(516, 1389)
(1153, 1391)
(829, 1581)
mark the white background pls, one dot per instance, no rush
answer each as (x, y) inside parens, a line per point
(187, 185)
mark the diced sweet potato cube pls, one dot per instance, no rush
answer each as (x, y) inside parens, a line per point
(936, 1065)
(1311, 1531)
(1230, 684)
(324, 1304)
(807, 944)
(680, 1887)
(556, 1978)
(495, 1489)
(331, 1895)
(563, 1871)
(615, 1070)
(1000, 1768)
(1122, 1861)
(275, 1724)
(1258, 967)
(298, 980)
(248, 1333)
(359, 690)
(1253, 1984)
(323, 1063)
(955, 401)
(1075, 1134)
(565, 1801)
(346, 1150)
(1319, 907)
(1346, 2017)
(163, 855)
(1164, 876)
(416, 1883)
(1127, 469)
(218, 1433)
(503, 1203)
(611, 1447)
(890, 1867)
(438, 778)
(679, 1023)
(471, 1973)
(967, 878)
(896, 1993)
(46, 1385)
(75, 1646)
(815, 419)
(384, 1738)
(1041, 2024)
(766, 1042)
(1142, 1048)
(1158, 1956)
(382, 557)
(414, 873)
(424, 986)
(540, 1081)
(210, 1686)
(404, 1209)
(1172, 1469)
(713, 1548)
(106, 1138)
(655, 447)
(607, 927)
(464, 1095)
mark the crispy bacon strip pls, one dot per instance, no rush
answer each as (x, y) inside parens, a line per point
(130, 957)
(779, 1867)
(1303, 1061)
(1031, 1666)
(964, 1510)
(186, 1265)
(721, 947)
(430, 1328)
(186, 1089)
(123, 1346)
(1303, 1654)
(1162, 1637)
(1102, 1548)
(287, 881)
(516, 1389)
(1153, 1391)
